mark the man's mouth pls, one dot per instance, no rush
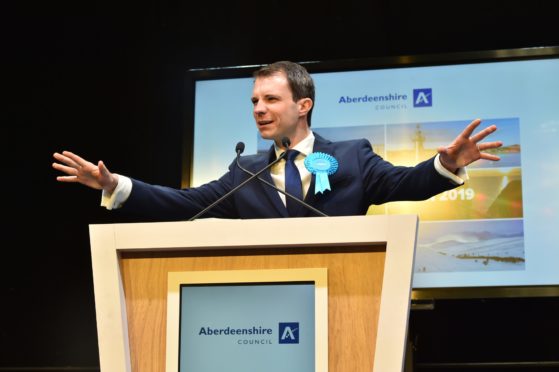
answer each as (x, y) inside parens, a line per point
(265, 122)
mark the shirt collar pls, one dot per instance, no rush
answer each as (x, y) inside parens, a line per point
(304, 147)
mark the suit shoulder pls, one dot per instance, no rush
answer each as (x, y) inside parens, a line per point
(354, 143)
(259, 158)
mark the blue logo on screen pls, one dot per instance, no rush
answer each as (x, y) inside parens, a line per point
(423, 97)
(289, 333)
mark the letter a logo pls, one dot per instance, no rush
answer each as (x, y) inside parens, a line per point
(423, 97)
(289, 333)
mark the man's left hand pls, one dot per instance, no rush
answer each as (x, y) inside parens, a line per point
(465, 149)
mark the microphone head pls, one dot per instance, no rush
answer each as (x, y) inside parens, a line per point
(240, 147)
(286, 142)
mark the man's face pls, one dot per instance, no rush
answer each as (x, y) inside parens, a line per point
(274, 111)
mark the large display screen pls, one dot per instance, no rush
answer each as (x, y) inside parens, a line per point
(499, 229)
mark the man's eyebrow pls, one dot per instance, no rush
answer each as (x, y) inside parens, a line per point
(267, 96)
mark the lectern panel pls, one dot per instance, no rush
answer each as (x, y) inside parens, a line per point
(355, 276)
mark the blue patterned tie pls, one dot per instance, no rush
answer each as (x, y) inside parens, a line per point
(293, 183)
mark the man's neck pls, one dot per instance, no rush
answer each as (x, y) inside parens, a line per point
(305, 146)
(295, 139)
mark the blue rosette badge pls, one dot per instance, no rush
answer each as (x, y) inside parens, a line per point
(321, 165)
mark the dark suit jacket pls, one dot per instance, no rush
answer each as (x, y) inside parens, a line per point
(363, 178)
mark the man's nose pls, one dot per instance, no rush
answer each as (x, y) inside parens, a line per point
(259, 107)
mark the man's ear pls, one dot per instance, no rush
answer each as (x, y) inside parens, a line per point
(305, 105)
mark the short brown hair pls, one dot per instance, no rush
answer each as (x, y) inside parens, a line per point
(299, 80)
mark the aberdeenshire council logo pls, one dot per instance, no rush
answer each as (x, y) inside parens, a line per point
(289, 333)
(423, 97)
(396, 100)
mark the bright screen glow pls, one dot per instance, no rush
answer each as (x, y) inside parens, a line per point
(502, 227)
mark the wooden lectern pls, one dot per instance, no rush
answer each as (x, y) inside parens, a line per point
(369, 261)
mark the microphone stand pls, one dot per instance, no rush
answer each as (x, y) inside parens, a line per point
(253, 176)
(280, 190)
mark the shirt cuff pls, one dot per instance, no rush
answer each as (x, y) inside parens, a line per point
(459, 178)
(119, 195)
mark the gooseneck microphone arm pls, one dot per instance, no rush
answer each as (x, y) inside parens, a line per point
(306, 205)
(286, 143)
(239, 149)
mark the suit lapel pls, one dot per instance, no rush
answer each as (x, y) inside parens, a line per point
(320, 145)
(270, 193)
(325, 146)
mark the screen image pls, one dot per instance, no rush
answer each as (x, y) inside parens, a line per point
(500, 227)
(255, 327)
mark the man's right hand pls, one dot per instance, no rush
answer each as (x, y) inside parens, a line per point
(80, 170)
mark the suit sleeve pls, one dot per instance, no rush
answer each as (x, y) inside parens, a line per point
(161, 203)
(383, 182)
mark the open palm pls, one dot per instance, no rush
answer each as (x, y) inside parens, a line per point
(84, 172)
(465, 149)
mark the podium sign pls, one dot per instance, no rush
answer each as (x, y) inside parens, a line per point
(248, 320)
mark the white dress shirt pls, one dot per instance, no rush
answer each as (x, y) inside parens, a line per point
(278, 170)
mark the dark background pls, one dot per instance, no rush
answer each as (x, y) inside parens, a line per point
(106, 80)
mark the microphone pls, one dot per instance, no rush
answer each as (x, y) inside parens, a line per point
(286, 143)
(239, 149)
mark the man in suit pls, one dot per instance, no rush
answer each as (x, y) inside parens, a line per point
(283, 98)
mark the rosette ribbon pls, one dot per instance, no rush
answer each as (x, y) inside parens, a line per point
(321, 165)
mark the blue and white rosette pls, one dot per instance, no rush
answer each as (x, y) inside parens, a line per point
(321, 165)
